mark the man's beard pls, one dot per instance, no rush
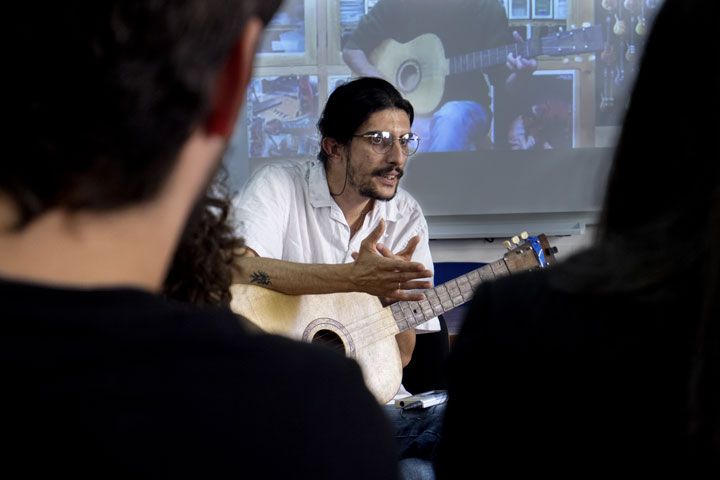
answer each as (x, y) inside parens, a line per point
(369, 190)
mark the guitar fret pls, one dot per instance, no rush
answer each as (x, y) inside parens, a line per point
(444, 296)
(432, 297)
(486, 274)
(407, 310)
(499, 268)
(454, 291)
(427, 309)
(474, 278)
(466, 288)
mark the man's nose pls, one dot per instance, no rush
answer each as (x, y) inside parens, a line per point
(396, 155)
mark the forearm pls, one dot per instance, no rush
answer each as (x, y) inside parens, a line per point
(293, 278)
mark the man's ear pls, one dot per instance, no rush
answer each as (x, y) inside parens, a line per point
(332, 148)
(232, 82)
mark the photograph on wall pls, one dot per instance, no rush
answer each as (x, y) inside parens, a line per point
(542, 117)
(351, 11)
(542, 9)
(282, 112)
(519, 9)
(286, 32)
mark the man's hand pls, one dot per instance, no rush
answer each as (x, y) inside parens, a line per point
(519, 64)
(380, 272)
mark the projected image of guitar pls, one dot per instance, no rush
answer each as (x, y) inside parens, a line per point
(419, 67)
(357, 324)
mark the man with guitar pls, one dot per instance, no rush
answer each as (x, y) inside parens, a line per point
(392, 39)
(342, 224)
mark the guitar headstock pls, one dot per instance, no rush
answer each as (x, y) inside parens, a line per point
(526, 252)
(573, 42)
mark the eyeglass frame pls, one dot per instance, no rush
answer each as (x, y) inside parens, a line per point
(372, 133)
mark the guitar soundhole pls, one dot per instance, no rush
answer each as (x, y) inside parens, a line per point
(331, 333)
(329, 339)
(408, 76)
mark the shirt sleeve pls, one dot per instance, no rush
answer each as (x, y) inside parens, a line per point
(261, 211)
(495, 28)
(374, 27)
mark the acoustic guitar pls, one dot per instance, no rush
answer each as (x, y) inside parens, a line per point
(419, 67)
(357, 324)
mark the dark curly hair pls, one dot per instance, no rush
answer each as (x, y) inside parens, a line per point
(202, 269)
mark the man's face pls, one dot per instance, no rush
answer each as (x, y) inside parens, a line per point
(372, 174)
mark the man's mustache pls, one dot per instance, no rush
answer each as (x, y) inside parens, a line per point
(384, 171)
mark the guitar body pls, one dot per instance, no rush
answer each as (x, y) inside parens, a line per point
(417, 68)
(355, 324)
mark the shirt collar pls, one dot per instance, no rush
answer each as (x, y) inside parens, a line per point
(319, 190)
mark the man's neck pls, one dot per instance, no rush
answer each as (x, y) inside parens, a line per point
(132, 246)
(351, 202)
(89, 250)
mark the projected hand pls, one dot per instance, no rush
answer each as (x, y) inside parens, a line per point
(519, 64)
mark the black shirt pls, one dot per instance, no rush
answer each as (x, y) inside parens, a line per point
(119, 382)
(578, 384)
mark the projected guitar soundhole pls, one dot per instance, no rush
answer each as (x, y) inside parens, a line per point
(408, 76)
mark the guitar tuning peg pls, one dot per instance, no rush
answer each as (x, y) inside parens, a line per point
(507, 244)
(524, 235)
(515, 240)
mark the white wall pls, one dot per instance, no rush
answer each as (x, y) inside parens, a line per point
(480, 250)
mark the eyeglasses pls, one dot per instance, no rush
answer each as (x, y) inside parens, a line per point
(382, 142)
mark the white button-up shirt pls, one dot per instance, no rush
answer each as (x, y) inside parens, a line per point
(285, 211)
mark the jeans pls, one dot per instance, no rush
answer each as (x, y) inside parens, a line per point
(458, 125)
(417, 431)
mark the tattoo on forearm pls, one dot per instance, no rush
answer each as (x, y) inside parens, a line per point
(260, 278)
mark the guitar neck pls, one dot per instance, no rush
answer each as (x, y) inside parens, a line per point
(480, 60)
(445, 297)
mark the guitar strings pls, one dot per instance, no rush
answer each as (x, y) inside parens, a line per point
(369, 322)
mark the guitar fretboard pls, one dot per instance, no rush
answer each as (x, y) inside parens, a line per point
(472, 61)
(445, 297)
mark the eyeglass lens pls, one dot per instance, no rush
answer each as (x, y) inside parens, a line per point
(382, 142)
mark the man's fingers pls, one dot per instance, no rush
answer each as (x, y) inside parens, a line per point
(417, 285)
(374, 236)
(405, 295)
(409, 249)
(411, 270)
(384, 251)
